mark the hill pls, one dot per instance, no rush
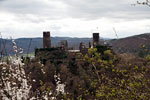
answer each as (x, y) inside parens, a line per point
(134, 44)
(38, 43)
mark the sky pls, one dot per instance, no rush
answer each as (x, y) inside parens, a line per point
(73, 18)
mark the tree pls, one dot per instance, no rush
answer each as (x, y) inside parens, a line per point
(144, 2)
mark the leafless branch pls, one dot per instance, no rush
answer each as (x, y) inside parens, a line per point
(146, 2)
(96, 73)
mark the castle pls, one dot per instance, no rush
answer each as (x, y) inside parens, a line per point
(57, 54)
(64, 44)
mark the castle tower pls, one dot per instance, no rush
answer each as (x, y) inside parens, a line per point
(95, 39)
(46, 40)
(81, 47)
(64, 44)
(89, 44)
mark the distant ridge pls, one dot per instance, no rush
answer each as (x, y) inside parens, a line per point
(131, 44)
(38, 43)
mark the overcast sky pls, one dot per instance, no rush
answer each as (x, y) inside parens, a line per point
(73, 18)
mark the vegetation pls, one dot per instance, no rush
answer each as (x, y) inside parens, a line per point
(98, 75)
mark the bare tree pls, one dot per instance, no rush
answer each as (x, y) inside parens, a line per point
(144, 2)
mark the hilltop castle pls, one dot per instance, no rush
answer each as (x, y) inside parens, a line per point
(64, 44)
(57, 54)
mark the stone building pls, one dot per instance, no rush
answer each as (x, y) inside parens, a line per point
(58, 54)
(95, 39)
(46, 40)
(83, 49)
(64, 44)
